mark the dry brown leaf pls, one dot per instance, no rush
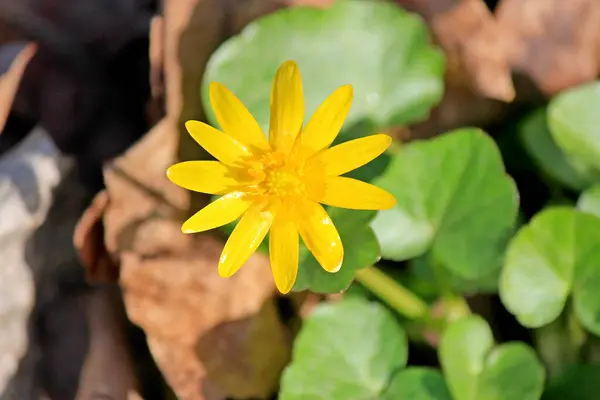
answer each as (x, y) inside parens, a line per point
(193, 30)
(555, 42)
(477, 74)
(88, 238)
(9, 82)
(172, 289)
(472, 41)
(107, 370)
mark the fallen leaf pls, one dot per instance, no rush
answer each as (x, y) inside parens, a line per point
(473, 42)
(9, 81)
(172, 289)
(555, 42)
(478, 78)
(88, 238)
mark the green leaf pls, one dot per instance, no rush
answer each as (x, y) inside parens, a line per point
(573, 120)
(578, 382)
(360, 250)
(383, 51)
(421, 269)
(476, 369)
(589, 201)
(454, 200)
(538, 141)
(346, 350)
(417, 384)
(557, 254)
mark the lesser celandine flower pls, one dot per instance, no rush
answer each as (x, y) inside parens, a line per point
(277, 184)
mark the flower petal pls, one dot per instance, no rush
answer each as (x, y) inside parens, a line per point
(287, 107)
(244, 240)
(218, 213)
(325, 124)
(284, 247)
(235, 119)
(320, 235)
(212, 177)
(220, 145)
(352, 154)
(353, 194)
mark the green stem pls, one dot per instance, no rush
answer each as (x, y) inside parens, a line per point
(393, 293)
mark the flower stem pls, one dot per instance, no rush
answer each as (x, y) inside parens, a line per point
(393, 293)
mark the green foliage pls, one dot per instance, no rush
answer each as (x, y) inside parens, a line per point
(454, 198)
(360, 247)
(577, 382)
(538, 141)
(454, 230)
(573, 119)
(383, 51)
(553, 257)
(477, 369)
(348, 350)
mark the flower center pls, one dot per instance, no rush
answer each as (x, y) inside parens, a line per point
(282, 182)
(280, 176)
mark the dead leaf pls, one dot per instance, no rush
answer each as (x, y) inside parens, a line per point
(9, 82)
(108, 369)
(203, 329)
(88, 238)
(477, 72)
(172, 289)
(555, 42)
(469, 35)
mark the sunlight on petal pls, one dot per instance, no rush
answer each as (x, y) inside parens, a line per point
(220, 145)
(353, 194)
(244, 240)
(222, 211)
(352, 154)
(320, 235)
(212, 177)
(323, 127)
(284, 252)
(235, 119)
(287, 107)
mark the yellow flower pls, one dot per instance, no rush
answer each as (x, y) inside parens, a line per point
(277, 184)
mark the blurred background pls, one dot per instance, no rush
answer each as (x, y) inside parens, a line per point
(101, 297)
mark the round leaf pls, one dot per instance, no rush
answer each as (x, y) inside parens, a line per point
(548, 156)
(476, 369)
(557, 254)
(346, 350)
(417, 384)
(380, 49)
(589, 201)
(573, 119)
(454, 199)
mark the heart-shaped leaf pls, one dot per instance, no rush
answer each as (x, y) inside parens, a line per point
(345, 351)
(557, 254)
(548, 156)
(380, 49)
(589, 201)
(477, 369)
(454, 199)
(417, 384)
(573, 120)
